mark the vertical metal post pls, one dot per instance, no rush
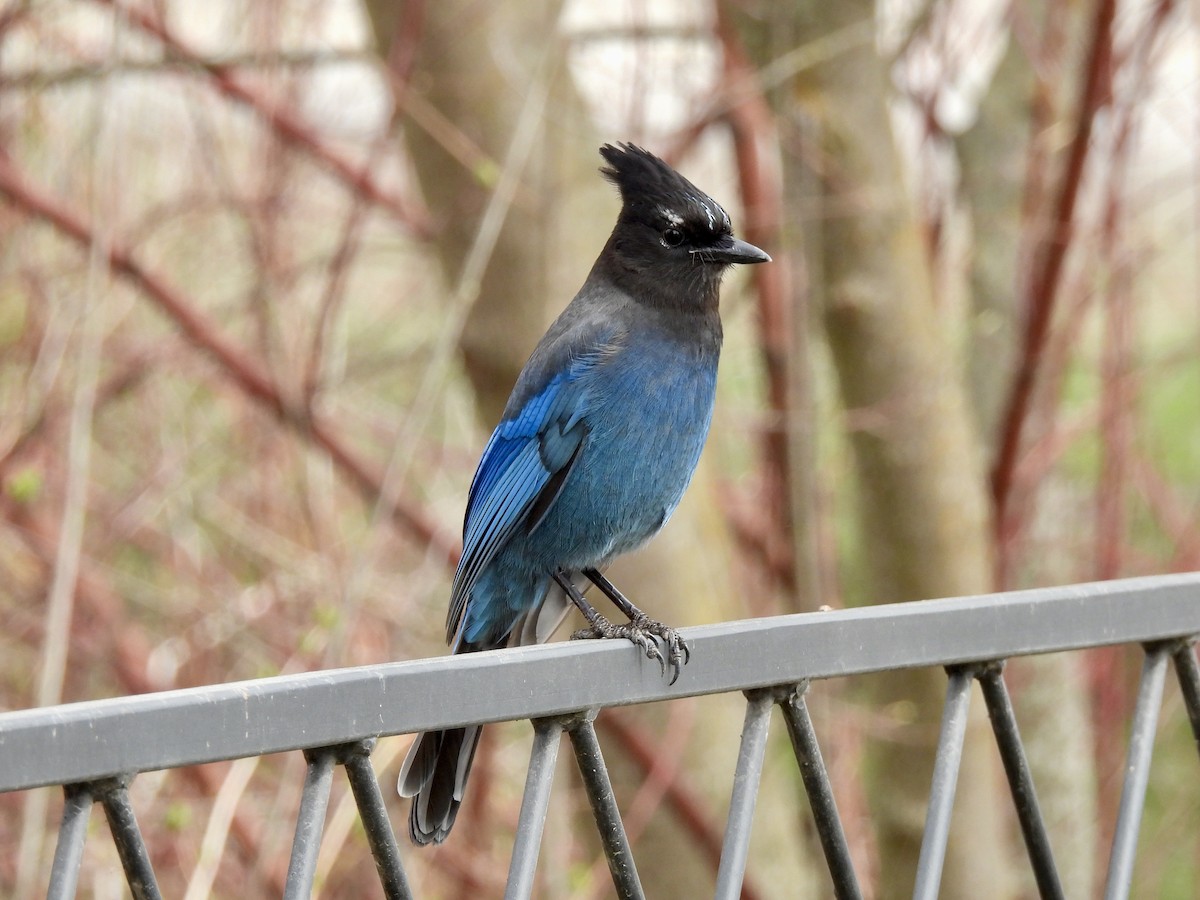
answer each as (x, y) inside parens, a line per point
(945, 783)
(72, 833)
(1020, 780)
(546, 735)
(1137, 772)
(820, 794)
(746, 778)
(128, 838)
(604, 808)
(310, 823)
(378, 827)
(1189, 684)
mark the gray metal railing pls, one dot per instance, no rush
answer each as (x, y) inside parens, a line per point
(94, 749)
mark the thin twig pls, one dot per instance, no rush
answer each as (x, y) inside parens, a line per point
(216, 832)
(774, 74)
(38, 79)
(402, 54)
(1178, 521)
(60, 601)
(286, 124)
(234, 362)
(1118, 392)
(1042, 290)
(760, 179)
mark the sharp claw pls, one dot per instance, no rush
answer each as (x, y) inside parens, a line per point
(652, 652)
(644, 632)
(674, 678)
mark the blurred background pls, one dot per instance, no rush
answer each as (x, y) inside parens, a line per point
(268, 272)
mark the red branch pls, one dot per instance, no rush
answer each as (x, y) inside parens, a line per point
(239, 367)
(752, 125)
(401, 58)
(1046, 272)
(286, 124)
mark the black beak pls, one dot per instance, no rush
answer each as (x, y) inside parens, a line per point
(729, 250)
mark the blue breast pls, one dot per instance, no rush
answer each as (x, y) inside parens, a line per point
(647, 423)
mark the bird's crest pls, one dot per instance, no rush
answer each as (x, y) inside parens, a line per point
(651, 189)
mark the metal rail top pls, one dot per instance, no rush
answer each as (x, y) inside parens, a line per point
(84, 741)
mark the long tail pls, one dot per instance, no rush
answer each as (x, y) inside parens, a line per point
(435, 773)
(436, 768)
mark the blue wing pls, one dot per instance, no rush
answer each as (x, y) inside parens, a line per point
(524, 466)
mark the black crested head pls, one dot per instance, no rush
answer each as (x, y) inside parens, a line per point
(648, 184)
(669, 229)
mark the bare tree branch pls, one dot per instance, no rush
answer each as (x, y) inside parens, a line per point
(752, 124)
(1046, 273)
(247, 375)
(290, 128)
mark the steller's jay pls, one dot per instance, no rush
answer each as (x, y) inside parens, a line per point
(595, 448)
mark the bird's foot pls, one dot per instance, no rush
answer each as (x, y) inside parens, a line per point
(641, 631)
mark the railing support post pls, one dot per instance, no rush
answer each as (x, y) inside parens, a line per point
(373, 813)
(310, 823)
(1020, 780)
(72, 833)
(1137, 771)
(113, 794)
(746, 778)
(604, 808)
(945, 782)
(820, 792)
(546, 738)
(1189, 683)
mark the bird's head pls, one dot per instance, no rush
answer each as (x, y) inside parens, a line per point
(669, 230)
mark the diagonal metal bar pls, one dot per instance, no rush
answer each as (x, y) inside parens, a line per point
(546, 738)
(746, 778)
(1137, 771)
(114, 796)
(820, 794)
(1020, 780)
(310, 823)
(1189, 684)
(72, 833)
(374, 816)
(945, 782)
(604, 807)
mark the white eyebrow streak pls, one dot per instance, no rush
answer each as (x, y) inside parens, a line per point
(671, 216)
(712, 223)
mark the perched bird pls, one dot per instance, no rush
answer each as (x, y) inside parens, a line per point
(595, 448)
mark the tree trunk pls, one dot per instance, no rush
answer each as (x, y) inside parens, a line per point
(1053, 699)
(921, 484)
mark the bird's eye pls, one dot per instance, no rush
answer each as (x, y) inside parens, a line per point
(672, 237)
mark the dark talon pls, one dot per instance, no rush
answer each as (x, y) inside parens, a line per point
(652, 652)
(640, 631)
(680, 654)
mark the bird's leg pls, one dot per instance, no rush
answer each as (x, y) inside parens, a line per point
(678, 652)
(602, 628)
